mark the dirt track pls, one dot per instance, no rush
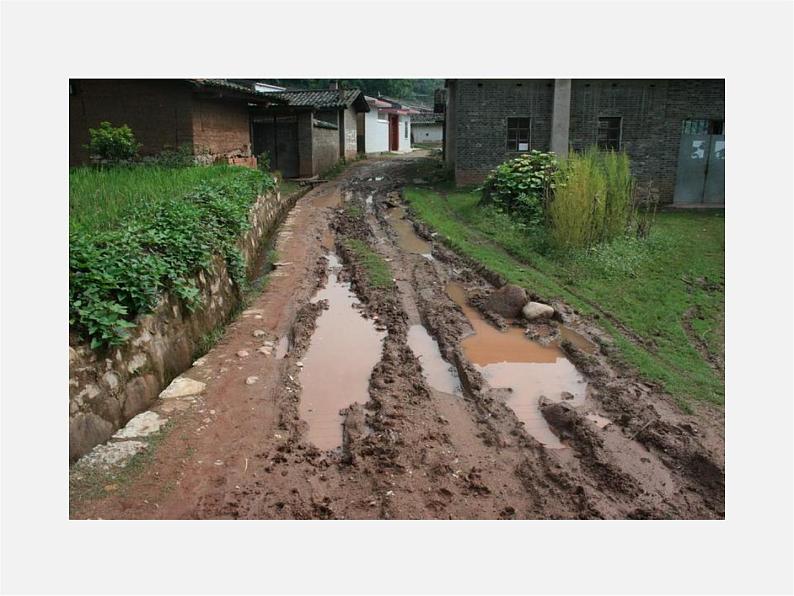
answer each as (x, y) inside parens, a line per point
(411, 451)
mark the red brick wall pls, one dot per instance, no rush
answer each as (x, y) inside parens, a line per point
(158, 111)
(221, 126)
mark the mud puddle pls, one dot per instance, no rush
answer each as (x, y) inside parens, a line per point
(337, 365)
(407, 238)
(440, 375)
(577, 339)
(510, 360)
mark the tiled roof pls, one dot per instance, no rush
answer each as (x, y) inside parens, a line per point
(237, 87)
(426, 118)
(321, 98)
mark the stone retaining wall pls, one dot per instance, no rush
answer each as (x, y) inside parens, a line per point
(109, 387)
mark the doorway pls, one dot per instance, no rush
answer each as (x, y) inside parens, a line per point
(394, 132)
(700, 176)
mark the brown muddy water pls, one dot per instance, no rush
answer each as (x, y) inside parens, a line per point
(407, 238)
(507, 359)
(440, 375)
(343, 350)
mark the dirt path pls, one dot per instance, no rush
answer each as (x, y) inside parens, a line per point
(432, 439)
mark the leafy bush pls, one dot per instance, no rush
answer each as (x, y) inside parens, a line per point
(173, 158)
(263, 161)
(522, 185)
(116, 275)
(109, 143)
(593, 199)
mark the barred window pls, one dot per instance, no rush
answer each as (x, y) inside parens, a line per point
(518, 134)
(702, 126)
(609, 133)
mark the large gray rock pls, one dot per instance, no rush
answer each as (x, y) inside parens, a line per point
(182, 387)
(110, 455)
(507, 301)
(142, 425)
(537, 310)
(85, 431)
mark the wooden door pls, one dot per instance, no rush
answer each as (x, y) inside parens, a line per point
(394, 132)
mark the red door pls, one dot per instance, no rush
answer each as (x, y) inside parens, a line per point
(394, 132)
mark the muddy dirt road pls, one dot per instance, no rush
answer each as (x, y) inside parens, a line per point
(369, 380)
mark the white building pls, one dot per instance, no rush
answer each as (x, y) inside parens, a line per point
(427, 128)
(387, 126)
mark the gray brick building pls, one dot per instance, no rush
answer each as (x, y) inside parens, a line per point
(672, 129)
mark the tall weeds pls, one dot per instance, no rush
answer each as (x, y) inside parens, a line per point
(593, 199)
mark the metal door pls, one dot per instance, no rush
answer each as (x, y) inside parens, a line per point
(693, 157)
(714, 191)
(279, 137)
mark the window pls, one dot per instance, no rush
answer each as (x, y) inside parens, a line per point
(406, 129)
(382, 115)
(518, 134)
(609, 133)
(702, 126)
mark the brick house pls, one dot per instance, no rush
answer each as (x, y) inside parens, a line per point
(211, 116)
(672, 129)
(308, 131)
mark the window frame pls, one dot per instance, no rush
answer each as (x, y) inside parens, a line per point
(385, 114)
(406, 128)
(517, 136)
(619, 129)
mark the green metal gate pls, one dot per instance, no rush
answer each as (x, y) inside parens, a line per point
(700, 177)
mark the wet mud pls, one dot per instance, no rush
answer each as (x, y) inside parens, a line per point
(407, 401)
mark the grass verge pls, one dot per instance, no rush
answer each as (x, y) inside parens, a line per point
(378, 272)
(662, 299)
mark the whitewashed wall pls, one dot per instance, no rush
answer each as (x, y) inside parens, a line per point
(428, 133)
(376, 133)
(405, 139)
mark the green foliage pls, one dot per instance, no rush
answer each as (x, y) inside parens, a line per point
(109, 143)
(522, 186)
(100, 199)
(592, 199)
(173, 158)
(263, 162)
(646, 286)
(377, 270)
(119, 273)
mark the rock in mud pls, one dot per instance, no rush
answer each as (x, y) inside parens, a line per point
(251, 380)
(113, 454)
(141, 425)
(507, 300)
(182, 387)
(537, 310)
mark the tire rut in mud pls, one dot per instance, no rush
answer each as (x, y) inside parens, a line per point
(648, 464)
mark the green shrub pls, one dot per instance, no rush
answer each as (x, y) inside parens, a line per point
(117, 274)
(619, 198)
(109, 143)
(522, 186)
(263, 161)
(173, 158)
(593, 199)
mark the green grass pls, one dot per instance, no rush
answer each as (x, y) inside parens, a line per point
(378, 272)
(99, 199)
(638, 289)
(288, 187)
(125, 253)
